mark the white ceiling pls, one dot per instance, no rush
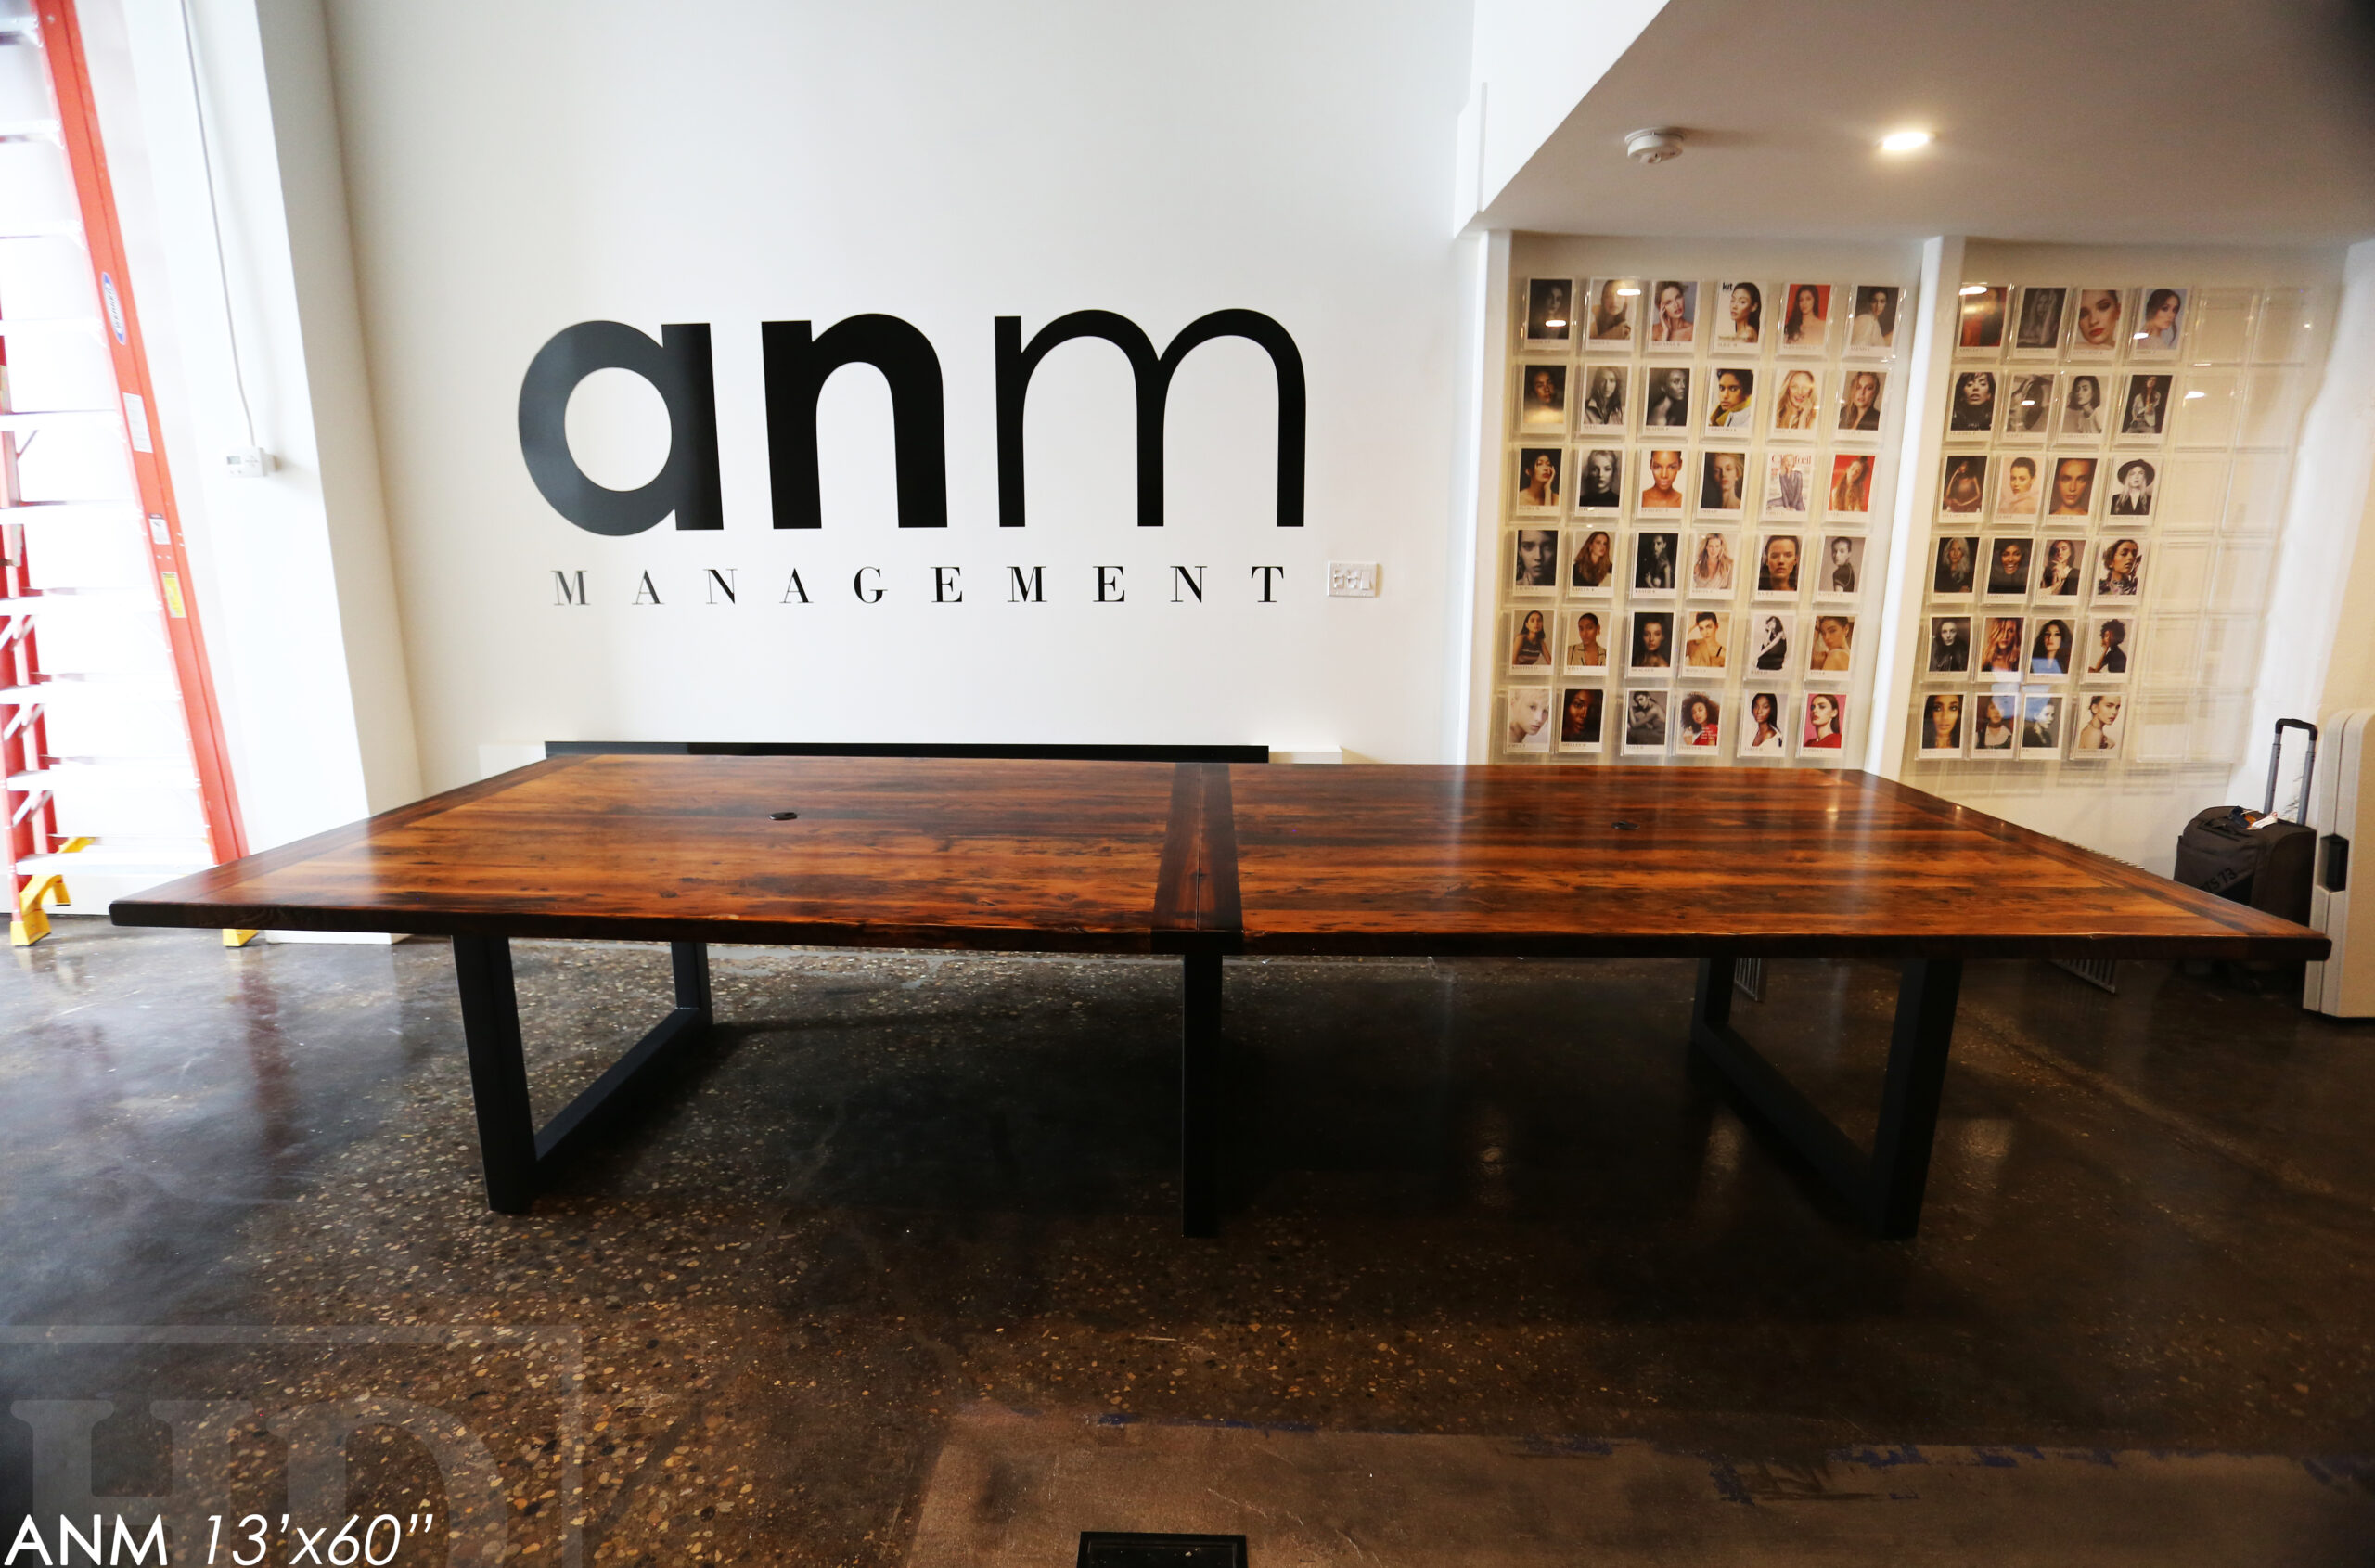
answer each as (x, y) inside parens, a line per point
(2106, 121)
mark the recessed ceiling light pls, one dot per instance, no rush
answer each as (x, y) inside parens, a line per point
(1905, 141)
(1627, 294)
(1971, 289)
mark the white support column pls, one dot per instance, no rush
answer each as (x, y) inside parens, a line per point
(1480, 533)
(1924, 379)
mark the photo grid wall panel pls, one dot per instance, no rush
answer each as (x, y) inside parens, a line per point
(1699, 466)
(2115, 466)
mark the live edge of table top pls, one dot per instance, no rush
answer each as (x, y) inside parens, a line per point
(1105, 856)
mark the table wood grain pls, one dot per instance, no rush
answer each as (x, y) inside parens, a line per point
(1114, 857)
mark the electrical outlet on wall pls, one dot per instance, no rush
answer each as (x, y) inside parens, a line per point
(1352, 579)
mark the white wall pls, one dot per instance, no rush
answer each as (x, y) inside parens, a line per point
(512, 169)
(1532, 62)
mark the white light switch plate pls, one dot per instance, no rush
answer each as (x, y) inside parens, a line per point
(1352, 579)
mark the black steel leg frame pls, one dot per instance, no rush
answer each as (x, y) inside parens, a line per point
(1885, 1188)
(1199, 1098)
(517, 1155)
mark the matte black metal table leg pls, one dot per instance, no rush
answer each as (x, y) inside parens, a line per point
(1908, 1126)
(1199, 1098)
(498, 1071)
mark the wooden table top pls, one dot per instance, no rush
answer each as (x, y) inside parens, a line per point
(1107, 857)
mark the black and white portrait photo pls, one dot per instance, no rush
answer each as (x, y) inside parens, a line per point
(1525, 713)
(2144, 406)
(1538, 478)
(1874, 327)
(2133, 484)
(2040, 723)
(1605, 387)
(1957, 565)
(2082, 405)
(1674, 315)
(2028, 405)
(1740, 317)
(2105, 655)
(1942, 724)
(1645, 720)
(1665, 398)
(1859, 400)
(1723, 483)
(1841, 572)
(1548, 300)
(1543, 403)
(2039, 327)
(1949, 645)
(2007, 567)
(1654, 563)
(2118, 568)
(1537, 558)
(1963, 487)
(1599, 480)
(1769, 643)
(2062, 568)
(1777, 565)
(1970, 408)
(1615, 308)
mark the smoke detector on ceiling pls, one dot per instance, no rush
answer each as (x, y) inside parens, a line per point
(1653, 146)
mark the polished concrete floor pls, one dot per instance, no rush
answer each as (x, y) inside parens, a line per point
(890, 1274)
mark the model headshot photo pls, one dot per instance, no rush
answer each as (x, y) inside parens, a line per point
(2073, 488)
(2007, 567)
(1875, 323)
(1843, 565)
(1771, 648)
(1826, 728)
(1785, 483)
(1538, 478)
(1589, 650)
(1723, 481)
(2040, 722)
(1996, 724)
(1615, 302)
(1594, 563)
(1527, 715)
(1653, 563)
(1546, 310)
(1859, 400)
(1805, 316)
(2082, 405)
(1942, 724)
(2099, 728)
(2039, 326)
(1531, 645)
(1645, 721)
(2062, 568)
(1999, 652)
(1957, 564)
(1604, 397)
(2144, 406)
(1831, 652)
(1712, 566)
(2107, 658)
(1706, 641)
(1732, 403)
(2049, 654)
(2122, 575)
(2132, 486)
(1762, 734)
(1579, 715)
(1797, 404)
(1949, 645)
(1963, 487)
(1702, 725)
(2028, 405)
(1851, 484)
(1544, 406)
(1666, 402)
(1537, 559)
(1970, 408)
(2018, 493)
(1741, 319)
(1673, 313)
(1981, 316)
(2160, 322)
(2098, 324)
(1599, 482)
(1660, 492)
(1776, 564)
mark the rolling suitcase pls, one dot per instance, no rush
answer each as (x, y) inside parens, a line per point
(2256, 857)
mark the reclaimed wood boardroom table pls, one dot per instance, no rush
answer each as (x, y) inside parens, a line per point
(1206, 860)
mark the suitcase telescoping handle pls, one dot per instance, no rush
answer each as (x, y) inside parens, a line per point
(2276, 759)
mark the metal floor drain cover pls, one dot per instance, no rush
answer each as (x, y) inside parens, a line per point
(1117, 1548)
